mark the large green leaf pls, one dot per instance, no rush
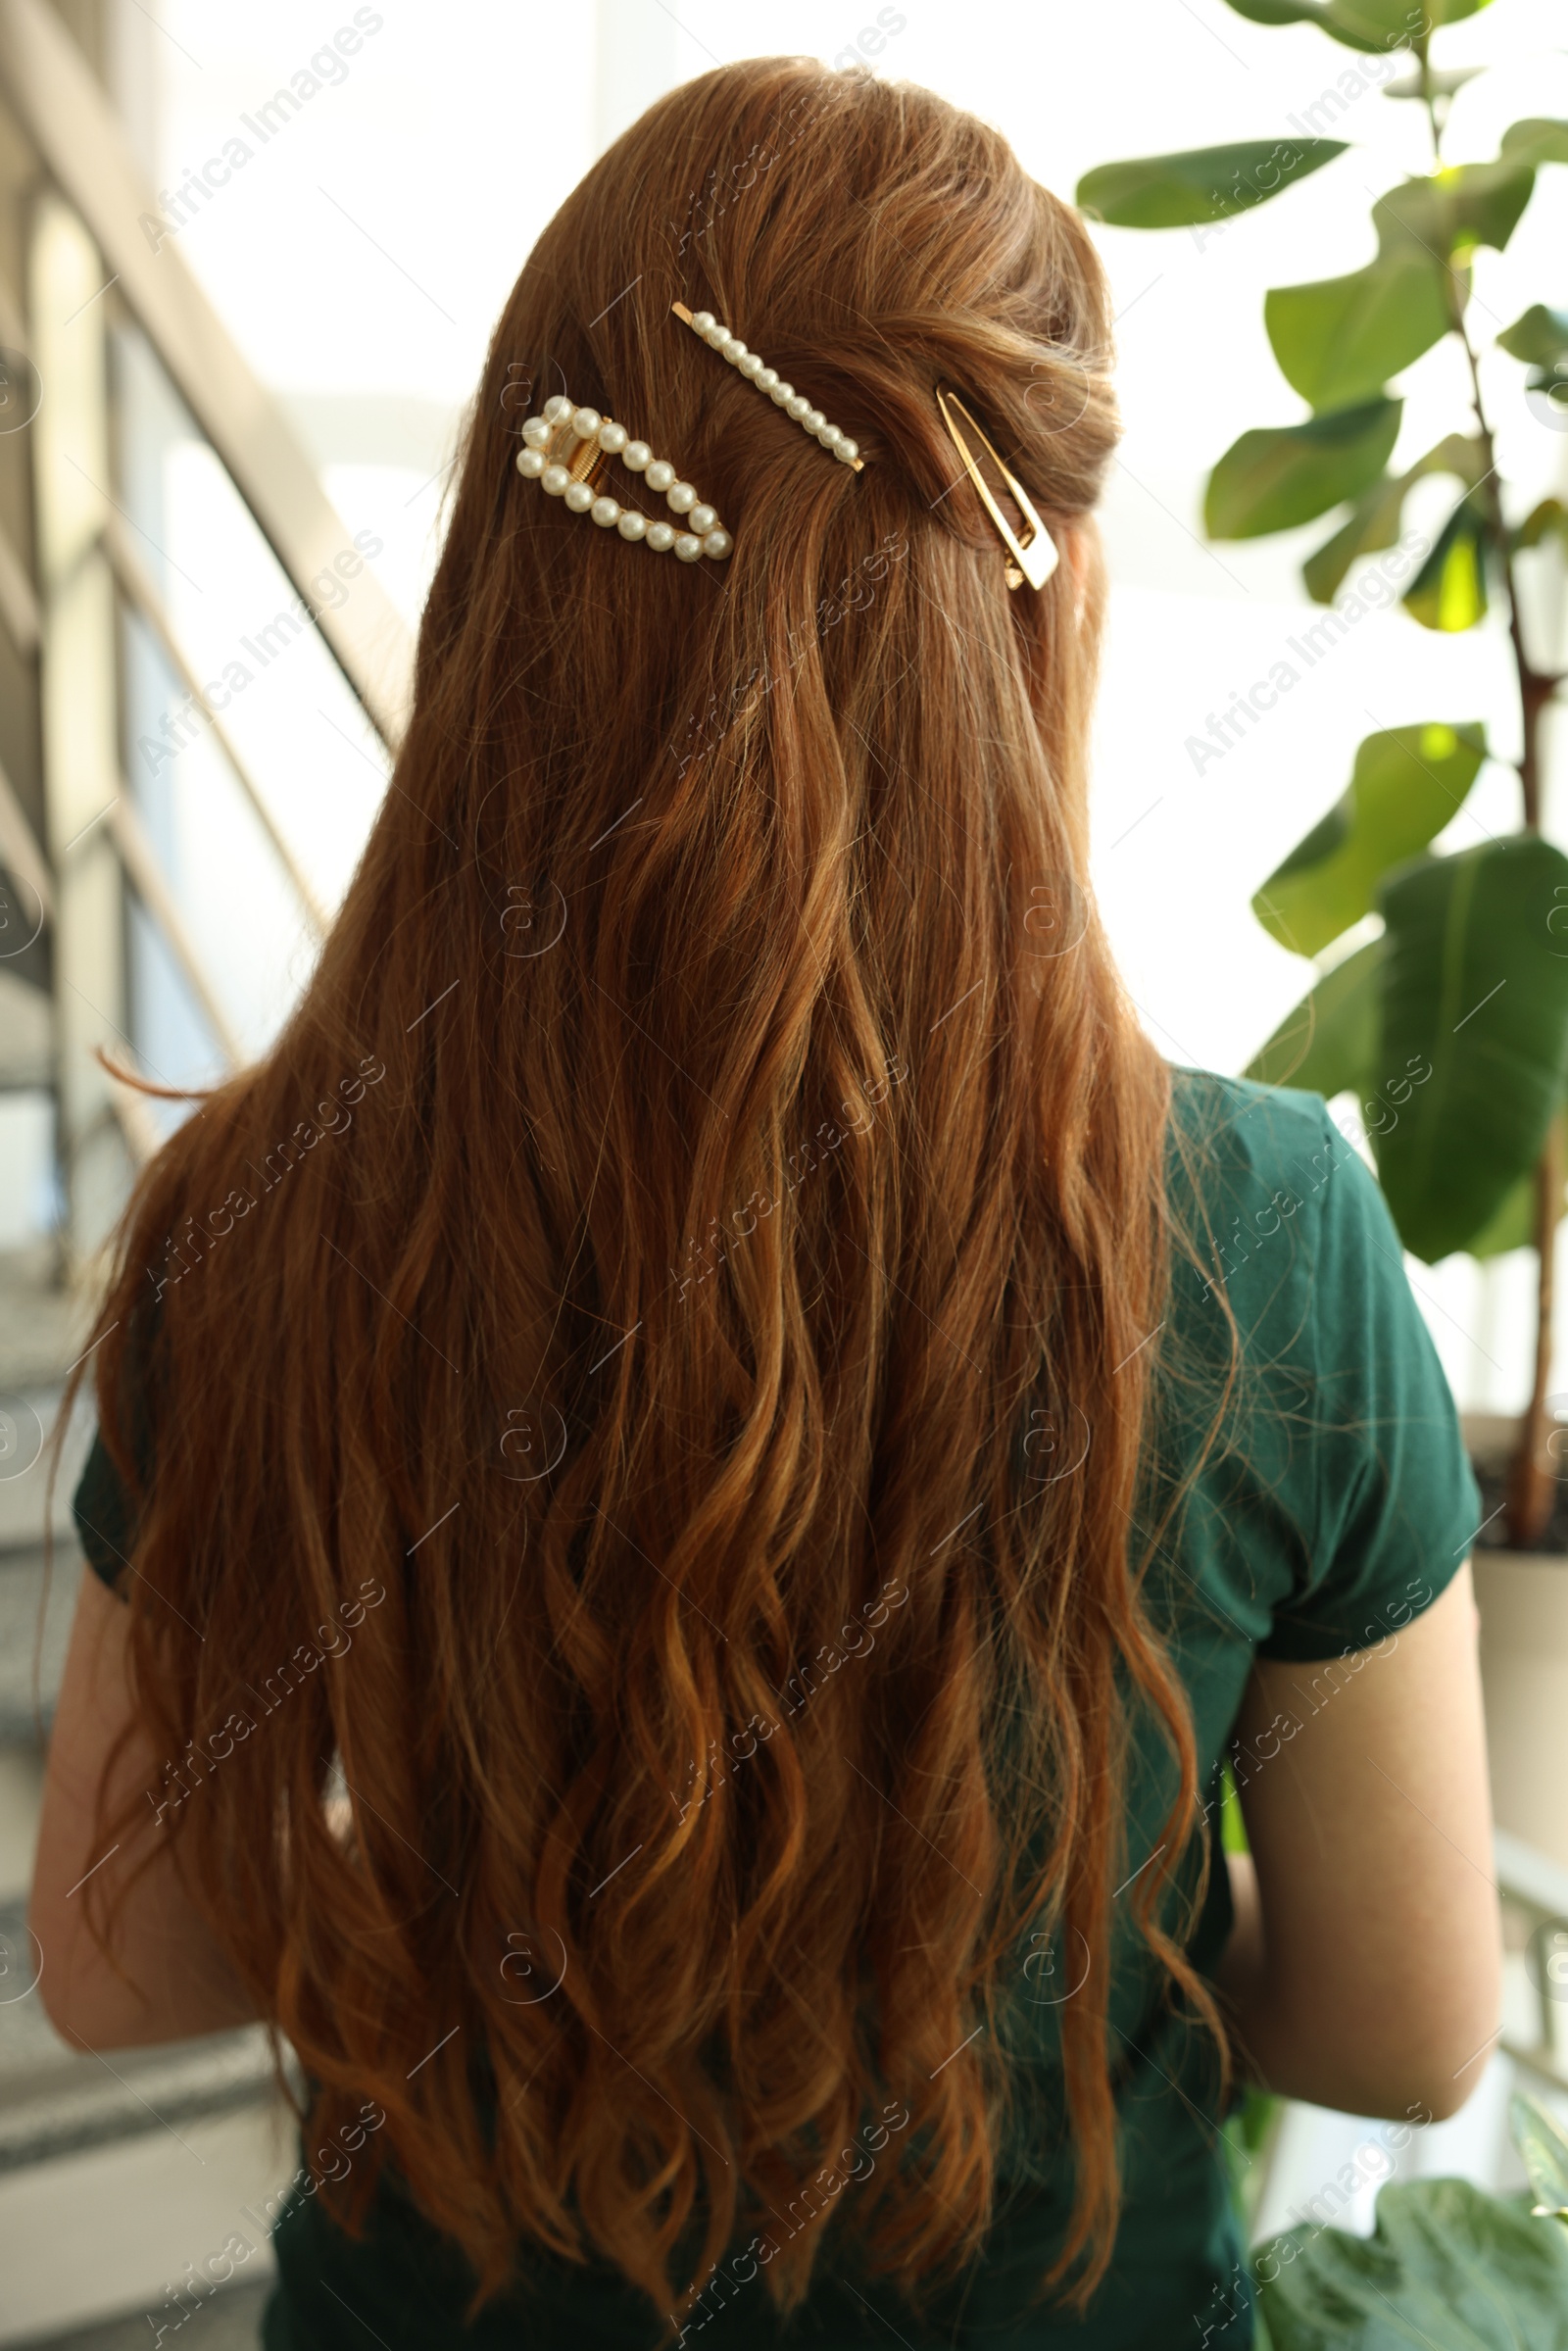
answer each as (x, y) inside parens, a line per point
(1512, 1225)
(1204, 184)
(1448, 2267)
(1298, 12)
(1436, 82)
(1340, 339)
(1540, 335)
(1374, 523)
(1270, 479)
(1471, 982)
(1456, 208)
(1407, 782)
(1327, 1044)
(1543, 2145)
(1378, 513)
(1366, 24)
(1549, 517)
(1397, 23)
(1449, 591)
(1536, 140)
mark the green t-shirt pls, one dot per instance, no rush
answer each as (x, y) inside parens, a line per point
(1338, 1504)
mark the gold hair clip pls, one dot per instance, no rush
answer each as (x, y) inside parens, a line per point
(1034, 557)
(794, 403)
(564, 452)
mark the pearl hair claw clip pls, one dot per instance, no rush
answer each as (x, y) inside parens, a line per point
(565, 451)
(794, 403)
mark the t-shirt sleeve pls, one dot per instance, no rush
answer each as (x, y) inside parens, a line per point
(102, 1511)
(105, 1515)
(1397, 1507)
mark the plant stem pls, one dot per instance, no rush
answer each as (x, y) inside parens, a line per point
(1422, 46)
(1531, 1488)
(1535, 689)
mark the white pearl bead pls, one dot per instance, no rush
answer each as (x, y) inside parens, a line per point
(604, 512)
(612, 437)
(660, 535)
(557, 407)
(580, 497)
(749, 366)
(702, 320)
(636, 455)
(536, 432)
(813, 420)
(829, 435)
(716, 335)
(733, 349)
(795, 406)
(631, 525)
(702, 519)
(585, 423)
(530, 463)
(554, 480)
(688, 547)
(660, 474)
(717, 544)
(782, 394)
(681, 497)
(767, 378)
(846, 449)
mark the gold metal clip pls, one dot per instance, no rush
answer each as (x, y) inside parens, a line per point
(1035, 557)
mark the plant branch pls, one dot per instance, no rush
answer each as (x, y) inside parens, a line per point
(1535, 688)
(1532, 1487)
(1422, 46)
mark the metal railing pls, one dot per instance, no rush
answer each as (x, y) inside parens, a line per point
(89, 266)
(1533, 1892)
(79, 139)
(70, 603)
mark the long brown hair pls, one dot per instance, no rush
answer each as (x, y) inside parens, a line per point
(713, 1156)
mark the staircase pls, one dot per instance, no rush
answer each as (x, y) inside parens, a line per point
(123, 2134)
(118, 2173)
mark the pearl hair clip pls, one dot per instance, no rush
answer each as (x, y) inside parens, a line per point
(565, 450)
(794, 403)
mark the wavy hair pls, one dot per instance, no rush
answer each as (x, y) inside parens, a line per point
(713, 1152)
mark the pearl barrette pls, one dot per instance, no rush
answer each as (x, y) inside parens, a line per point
(794, 403)
(565, 450)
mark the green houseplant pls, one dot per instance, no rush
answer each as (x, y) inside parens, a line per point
(1447, 2265)
(1468, 979)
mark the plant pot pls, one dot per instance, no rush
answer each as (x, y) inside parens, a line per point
(1523, 1599)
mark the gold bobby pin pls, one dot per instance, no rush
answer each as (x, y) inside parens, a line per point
(1034, 557)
